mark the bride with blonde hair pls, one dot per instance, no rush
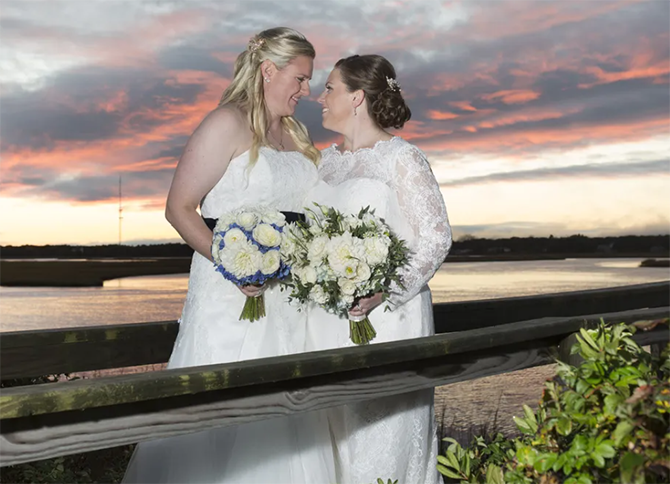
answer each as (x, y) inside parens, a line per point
(249, 150)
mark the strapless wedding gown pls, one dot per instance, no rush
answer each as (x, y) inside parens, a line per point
(392, 437)
(295, 450)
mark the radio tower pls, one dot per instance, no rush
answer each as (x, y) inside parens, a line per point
(120, 210)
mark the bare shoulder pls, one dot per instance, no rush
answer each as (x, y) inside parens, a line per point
(228, 118)
(223, 130)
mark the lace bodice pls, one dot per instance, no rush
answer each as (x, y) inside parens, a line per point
(395, 177)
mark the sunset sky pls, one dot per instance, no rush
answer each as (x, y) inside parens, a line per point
(539, 117)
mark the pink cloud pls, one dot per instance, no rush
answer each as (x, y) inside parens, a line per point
(514, 96)
(441, 115)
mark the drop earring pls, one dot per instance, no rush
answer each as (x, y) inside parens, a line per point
(355, 113)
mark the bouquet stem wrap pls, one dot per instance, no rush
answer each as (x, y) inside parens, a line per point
(361, 331)
(254, 308)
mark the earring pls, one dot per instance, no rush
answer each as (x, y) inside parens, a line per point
(355, 114)
(267, 79)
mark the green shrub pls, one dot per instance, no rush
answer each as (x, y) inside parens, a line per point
(100, 466)
(604, 421)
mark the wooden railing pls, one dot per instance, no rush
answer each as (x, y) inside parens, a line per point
(488, 338)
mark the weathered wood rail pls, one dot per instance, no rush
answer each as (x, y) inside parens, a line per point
(41, 421)
(35, 353)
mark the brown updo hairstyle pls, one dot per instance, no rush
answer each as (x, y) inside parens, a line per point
(369, 73)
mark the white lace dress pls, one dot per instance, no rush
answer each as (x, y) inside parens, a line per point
(392, 437)
(295, 450)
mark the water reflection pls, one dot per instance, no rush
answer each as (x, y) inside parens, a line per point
(160, 298)
(488, 280)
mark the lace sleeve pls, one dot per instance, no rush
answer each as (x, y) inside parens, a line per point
(423, 207)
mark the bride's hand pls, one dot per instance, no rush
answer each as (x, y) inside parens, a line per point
(251, 290)
(365, 305)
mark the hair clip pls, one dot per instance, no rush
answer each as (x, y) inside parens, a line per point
(393, 84)
(255, 44)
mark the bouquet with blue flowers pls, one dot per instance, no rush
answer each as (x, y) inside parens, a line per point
(246, 250)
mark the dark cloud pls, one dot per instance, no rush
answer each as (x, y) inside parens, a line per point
(146, 184)
(73, 107)
(599, 170)
(174, 151)
(193, 58)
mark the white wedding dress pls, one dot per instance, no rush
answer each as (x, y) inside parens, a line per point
(293, 450)
(392, 437)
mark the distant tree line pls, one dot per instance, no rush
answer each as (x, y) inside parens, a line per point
(658, 245)
(94, 251)
(574, 244)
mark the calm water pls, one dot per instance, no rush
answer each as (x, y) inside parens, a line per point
(159, 298)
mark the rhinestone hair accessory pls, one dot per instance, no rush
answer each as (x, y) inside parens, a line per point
(255, 44)
(393, 84)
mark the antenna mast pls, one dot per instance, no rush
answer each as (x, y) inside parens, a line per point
(120, 209)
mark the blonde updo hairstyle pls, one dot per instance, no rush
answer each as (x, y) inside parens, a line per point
(279, 45)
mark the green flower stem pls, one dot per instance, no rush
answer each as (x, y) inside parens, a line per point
(361, 332)
(254, 309)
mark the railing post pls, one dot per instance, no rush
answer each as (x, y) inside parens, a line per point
(564, 351)
(656, 349)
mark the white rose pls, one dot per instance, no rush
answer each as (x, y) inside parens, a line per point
(223, 222)
(309, 274)
(306, 274)
(363, 273)
(347, 301)
(271, 262)
(318, 295)
(317, 248)
(273, 217)
(353, 221)
(350, 269)
(247, 220)
(288, 246)
(341, 250)
(233, 237)
(242, 260)
(267, 235)
(376, 249)
(347, 286)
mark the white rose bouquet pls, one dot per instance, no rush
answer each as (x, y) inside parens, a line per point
(246, 250)
(337, 259)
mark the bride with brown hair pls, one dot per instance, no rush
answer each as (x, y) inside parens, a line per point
(394, 436)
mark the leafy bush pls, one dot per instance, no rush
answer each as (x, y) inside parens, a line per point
(100, 466)
(604, 421)
(35, 380)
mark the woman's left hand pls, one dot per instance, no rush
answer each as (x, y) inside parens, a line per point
(365, 305)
